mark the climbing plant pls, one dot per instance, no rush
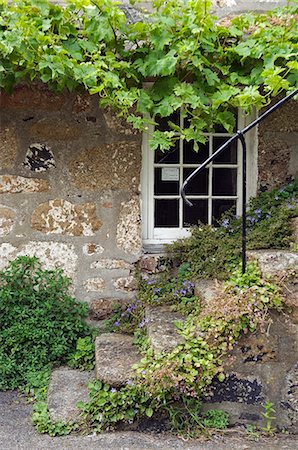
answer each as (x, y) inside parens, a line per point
(194, 62)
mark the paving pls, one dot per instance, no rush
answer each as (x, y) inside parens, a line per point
(17, 433)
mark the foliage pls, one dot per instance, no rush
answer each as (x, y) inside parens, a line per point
(43, 424)
(174, 383)
(216, 418)
(213, 252)
(203, 67)
(269, 416)
(40, 322)
(83, 357)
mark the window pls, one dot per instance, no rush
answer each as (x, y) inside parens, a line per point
(217, 189)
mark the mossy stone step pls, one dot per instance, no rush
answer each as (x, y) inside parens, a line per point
(273, 262)
(115, 354)
(162, 332)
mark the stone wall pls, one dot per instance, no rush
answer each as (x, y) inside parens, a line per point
(278, 147)
(69, 190)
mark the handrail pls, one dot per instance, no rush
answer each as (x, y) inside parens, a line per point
(238, 135)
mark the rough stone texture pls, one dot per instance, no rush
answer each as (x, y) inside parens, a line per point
(51, 254)
(275, 261)
(48, 128)
(7, 219)
(101, 308)
(295, 230)
(62, 217)
(115, 356)
(15, 184)
(118, 125)
(39, 158)
(35, 97)
(162, 332)
(129, 227)
(278, 149)
(111, 264)
(207, 290)
(94, 285)
(110, 166)
(67, 387)
(150, 264)
(262, 367)
(125, 284)
(8, 147)
(92, 249)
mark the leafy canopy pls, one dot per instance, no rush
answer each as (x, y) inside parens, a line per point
(195, 63)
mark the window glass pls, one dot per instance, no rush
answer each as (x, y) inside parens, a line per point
(224, 181)
(166, 213)
(164, 181)
(192, 215)
(199, 184)
(192, 157)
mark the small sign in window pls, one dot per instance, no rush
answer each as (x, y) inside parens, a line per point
(170, 174)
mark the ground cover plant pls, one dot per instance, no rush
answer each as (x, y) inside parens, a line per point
(40, 323)
(213, 252)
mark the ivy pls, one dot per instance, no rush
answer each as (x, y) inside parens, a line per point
(202, 66)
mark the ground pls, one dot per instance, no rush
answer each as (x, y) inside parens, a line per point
(17, 433)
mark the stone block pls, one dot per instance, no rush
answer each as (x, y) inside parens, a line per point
(111, 264)
(102, 308)
(62, 217)
(92, 249)
(118, 125)
(94, 284)
(15, 184)
(55, 129)
(81, 104)
(115, 356)
(162, 333)
(52, 255)
(39, 158)
(274, 262)
(8, 147)
(36, 97)
(67, 387)
(207, 290)
(128, 236)
(110, 166)
(7, 220)
(125, 284)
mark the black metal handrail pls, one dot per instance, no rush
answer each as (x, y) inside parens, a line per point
(238, 135)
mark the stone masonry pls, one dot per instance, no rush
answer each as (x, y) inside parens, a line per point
(69, 187)
(69, 191)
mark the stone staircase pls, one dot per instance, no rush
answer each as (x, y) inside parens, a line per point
(264, 367)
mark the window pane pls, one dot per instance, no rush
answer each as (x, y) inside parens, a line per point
(168, 157)
(229, 155)
(192, 157)
(196, 213)
(166, 213)
(162, 122)
(224, 182)
(199, 184)
(162, 181)
(219, 207)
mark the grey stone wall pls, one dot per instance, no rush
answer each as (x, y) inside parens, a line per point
(278, 147)
(69, 190)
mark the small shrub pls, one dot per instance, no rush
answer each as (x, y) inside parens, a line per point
(215, 252)
(40, 322)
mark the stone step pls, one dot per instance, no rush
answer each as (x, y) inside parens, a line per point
(273, 261)
(207, 290)
(162, 332)
(67, 387)
(115, 354)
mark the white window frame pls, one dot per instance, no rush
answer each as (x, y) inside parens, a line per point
(157, 236)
